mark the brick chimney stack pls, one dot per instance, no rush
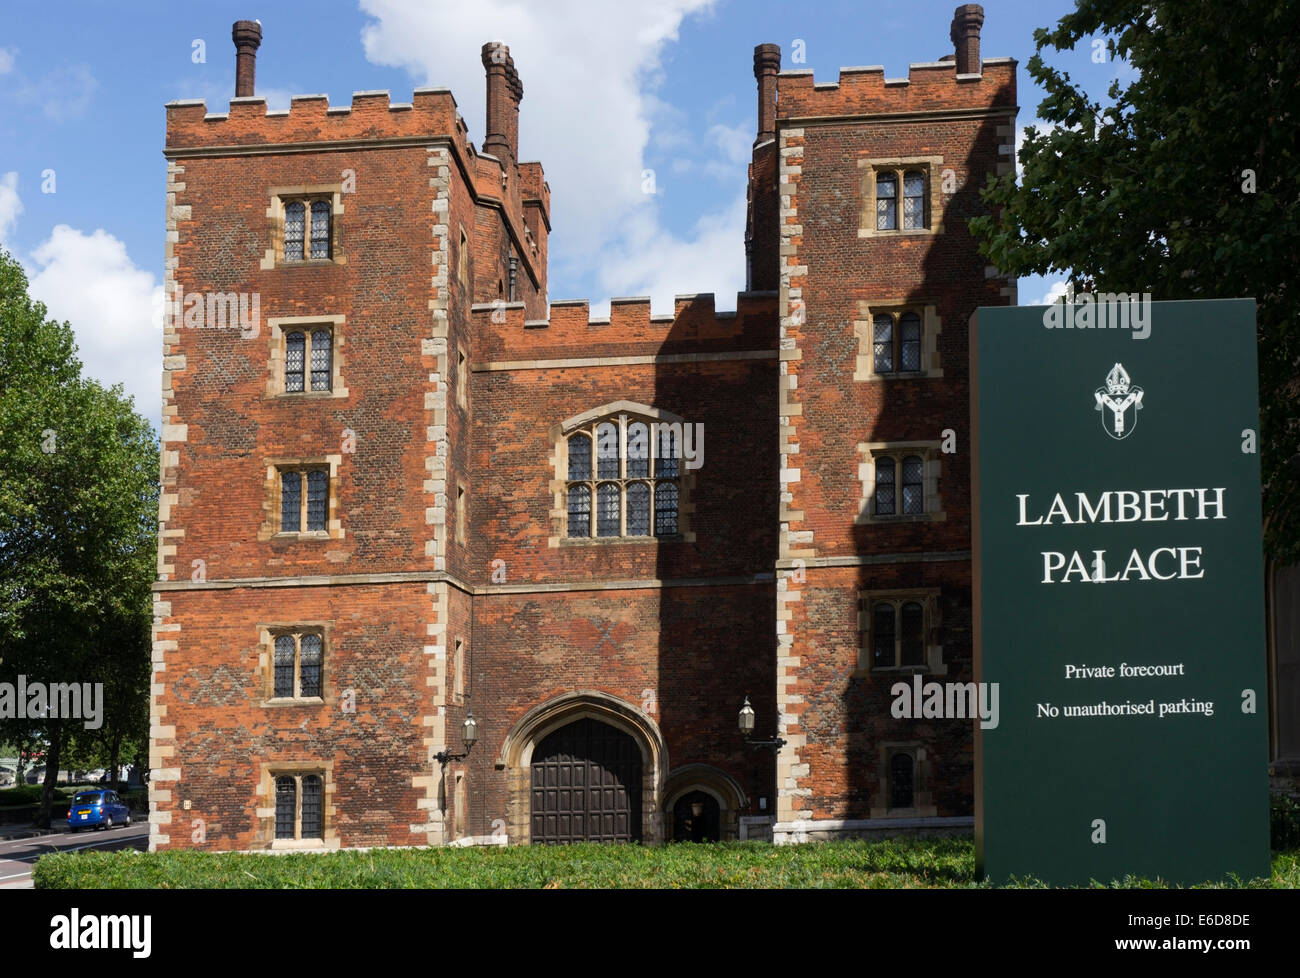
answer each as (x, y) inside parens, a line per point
(965, 33)
(247, 35)
(767, 63)
(504, 93)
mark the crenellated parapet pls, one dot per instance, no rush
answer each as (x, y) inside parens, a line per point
(928, 87)
(694, 326)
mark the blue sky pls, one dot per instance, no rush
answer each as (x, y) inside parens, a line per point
(610, 89)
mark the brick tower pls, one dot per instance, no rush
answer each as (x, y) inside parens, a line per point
(402, 489)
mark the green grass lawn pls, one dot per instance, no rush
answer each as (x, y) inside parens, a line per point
(895, 863)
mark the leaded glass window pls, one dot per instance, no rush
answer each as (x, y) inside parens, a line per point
(638, 510)
(284, 654)
(886, 202)
(665, 509)
(295, 345)
(290, 502)
(886, 501)
(913, 485)
(313, 821)
(322, 348)
(299, 512)
(909, 343)
(579, 457)
(579, 511)
(309, 665)
(286, 807)
(299, 806)
(883, 329)
(607, 439)
(295, 217)
(320, 228)
(628, 468)
(607, 510)
(317, 496)
(638, 449)
(913, 199)
(298, 664)
(669, 453)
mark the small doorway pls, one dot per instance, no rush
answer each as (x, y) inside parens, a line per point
(696, 818)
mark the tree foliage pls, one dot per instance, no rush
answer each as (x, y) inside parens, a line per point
(78, 524)
(1184, 183)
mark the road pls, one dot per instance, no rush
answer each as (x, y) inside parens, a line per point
(18, 855)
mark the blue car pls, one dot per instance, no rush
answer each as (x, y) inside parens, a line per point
(99, 808)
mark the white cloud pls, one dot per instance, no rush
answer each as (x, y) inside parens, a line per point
(7, 60)
(89, 280)
(10, 205)
(648, 260)
(588, 71)
(1055, 290)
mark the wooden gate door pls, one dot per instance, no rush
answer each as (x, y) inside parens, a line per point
(586, 785)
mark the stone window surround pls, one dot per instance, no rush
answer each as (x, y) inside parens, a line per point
(929, 600)
(280, 327)
(922, 803)
(868, 168)
(865, 331)
(265, 811)
(931, 472)
(267, 634)
(560, 470)
(279, 196)
(271, 506)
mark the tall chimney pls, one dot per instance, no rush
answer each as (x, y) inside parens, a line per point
(965, 33)
(247, 35)
(767, 62)
(504, 93)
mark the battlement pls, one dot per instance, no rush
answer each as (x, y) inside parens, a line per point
(929, 86)
(630, 330)
(311, 119)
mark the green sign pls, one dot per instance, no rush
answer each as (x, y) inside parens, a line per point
(1119, 592)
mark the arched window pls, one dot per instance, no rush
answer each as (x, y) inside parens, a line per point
(320, 228)
(913, 199)
(580, 511)
(297, 669)
(886, 494)
(286, 807)
(607, 510)
(902, 780)
(886, 201)
(299, 806)
(638, 509)
(321, 339)
(630, 469)
(607, 451)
